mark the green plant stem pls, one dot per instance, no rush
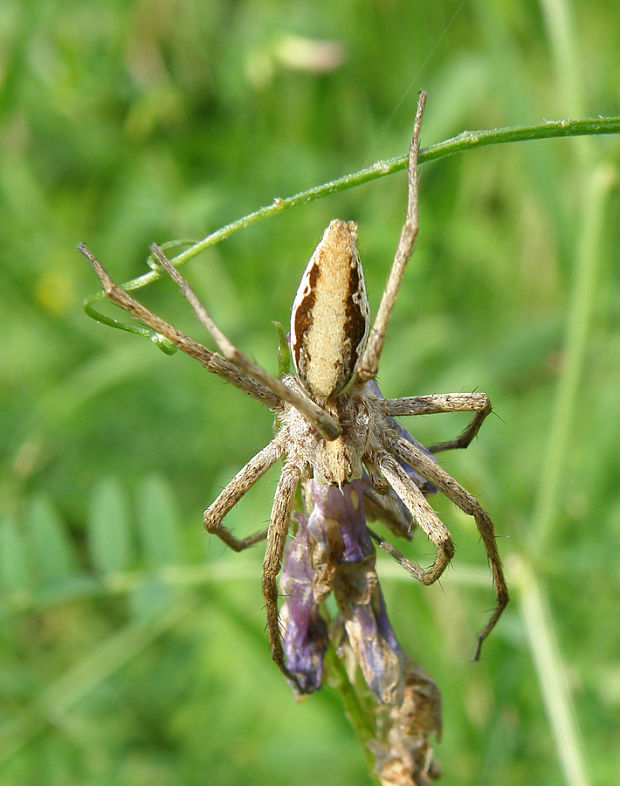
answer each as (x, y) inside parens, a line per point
(580, 307)
(564, 48)
(466, 140)
(532, 594)
(210, 573)
(363, 725)
(551, 672)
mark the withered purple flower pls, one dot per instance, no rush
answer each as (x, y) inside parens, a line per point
(306, 636)
(332, 551)
(404, 756)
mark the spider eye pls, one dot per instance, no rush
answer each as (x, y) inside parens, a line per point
(330, 316)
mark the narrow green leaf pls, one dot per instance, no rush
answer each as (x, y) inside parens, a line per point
(284, 351)
(158, 522)
(52, 550)
(109, 536)
(13, 560)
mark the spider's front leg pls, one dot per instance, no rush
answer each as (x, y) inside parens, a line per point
(369, 363)
(276, 540)
(210, 360)
(462, 498)
(276, 534)
(444, 402)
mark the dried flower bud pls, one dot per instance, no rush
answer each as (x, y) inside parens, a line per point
(305, 631)
(403, 751)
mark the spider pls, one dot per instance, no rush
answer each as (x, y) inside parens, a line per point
(333, 423)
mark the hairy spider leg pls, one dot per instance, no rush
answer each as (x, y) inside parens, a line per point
(370, 361)
(235, 489)
(424, 514)
(276, 540)
(466, 501)
(210, 360)
(438, 403)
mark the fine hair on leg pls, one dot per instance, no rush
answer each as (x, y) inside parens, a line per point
(440, 403)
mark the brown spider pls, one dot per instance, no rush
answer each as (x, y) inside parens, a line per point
(332, 421)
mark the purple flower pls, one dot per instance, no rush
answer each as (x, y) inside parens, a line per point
(332, 552)
(306, 637)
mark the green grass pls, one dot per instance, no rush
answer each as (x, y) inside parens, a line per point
(132, 647)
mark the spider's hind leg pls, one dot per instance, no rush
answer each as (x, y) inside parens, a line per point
(425, 516)
(466, 501)
(210, 360)
(238, 486)
(315, 415)
(369, 363)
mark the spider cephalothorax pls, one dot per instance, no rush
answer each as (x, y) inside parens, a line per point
(336, 461)
(333, 421)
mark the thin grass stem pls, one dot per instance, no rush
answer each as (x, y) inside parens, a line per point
(564, 48)
(580, 307)
(466, 140)
(533, 600)
(360, 719)
(551, 672)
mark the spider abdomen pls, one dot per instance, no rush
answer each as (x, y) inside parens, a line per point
(330, 315)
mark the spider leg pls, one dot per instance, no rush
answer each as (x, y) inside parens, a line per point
(210, 360)
(470, 505)
(423, 513)
(406, 563)
(315, 415)
(238, 486)
(389, 510)
(444, 402)
(369, 364)
(276, 539)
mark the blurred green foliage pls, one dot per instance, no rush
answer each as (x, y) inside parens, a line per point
(133, 648)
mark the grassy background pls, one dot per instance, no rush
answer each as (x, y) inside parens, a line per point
(132, 647)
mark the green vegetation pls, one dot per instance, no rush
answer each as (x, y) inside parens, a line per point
(132, 647)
